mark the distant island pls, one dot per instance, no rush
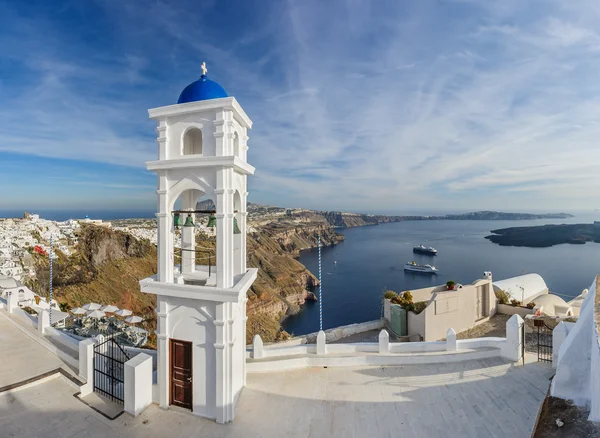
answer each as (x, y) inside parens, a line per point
(544, 236)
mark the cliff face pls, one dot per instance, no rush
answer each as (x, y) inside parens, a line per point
(346, 220)
(109, 264)
(283, 283)
(106, 269)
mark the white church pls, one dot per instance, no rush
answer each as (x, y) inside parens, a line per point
(201, 309)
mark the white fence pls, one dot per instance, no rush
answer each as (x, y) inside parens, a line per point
(280, 357)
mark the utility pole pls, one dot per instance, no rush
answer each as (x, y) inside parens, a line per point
(51, 257)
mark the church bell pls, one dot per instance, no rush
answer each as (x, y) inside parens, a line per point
(188, 221)
(177, 220)
(212, 221)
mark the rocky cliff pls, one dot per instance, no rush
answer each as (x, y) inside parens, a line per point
(106, 269)
(283, 283)
(108, 265)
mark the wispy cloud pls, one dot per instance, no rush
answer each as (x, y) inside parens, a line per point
(357, 105)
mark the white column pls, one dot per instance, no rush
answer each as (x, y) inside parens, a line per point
(451, 340)
(512, 350)
(384, 342)
(188, 235)
(321, 343)
(257, 347)
(12, 301)
(220, 369)
(243, 228)
(224, 230)
(230, 367)
(87, 358)
(163, 352)
(43, 321)
(559, 334)
(165, 233)
(161, 139)
(138, 384)
(244, 334)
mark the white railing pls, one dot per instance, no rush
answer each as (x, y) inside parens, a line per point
(277, 357)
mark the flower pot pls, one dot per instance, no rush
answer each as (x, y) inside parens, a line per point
(450, 287)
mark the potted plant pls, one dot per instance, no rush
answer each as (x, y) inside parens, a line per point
(450, 284)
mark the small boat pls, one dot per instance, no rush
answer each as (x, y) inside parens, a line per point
(421, 249)
(426, 269)
(335, 262)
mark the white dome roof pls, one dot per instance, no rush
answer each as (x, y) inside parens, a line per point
(7, 282)
(549, 300)
(532, 284)
(552, 305)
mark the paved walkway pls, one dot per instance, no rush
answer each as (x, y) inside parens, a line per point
(489, 398)
(22, 358)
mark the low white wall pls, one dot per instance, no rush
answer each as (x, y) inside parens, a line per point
(63, 339)
(506, 309)
(134, 351)
(278, 358)
(334, 334)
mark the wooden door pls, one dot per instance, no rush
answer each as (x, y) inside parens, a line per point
(181, 373)
(480, 303)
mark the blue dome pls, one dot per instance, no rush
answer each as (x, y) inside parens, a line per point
(202, 89)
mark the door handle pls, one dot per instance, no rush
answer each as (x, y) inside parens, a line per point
(189, 379)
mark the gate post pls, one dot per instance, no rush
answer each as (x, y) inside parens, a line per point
(559, 334)
(514, 339)
(138, 384)
(86, 366)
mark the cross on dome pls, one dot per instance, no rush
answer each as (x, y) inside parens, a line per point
(202, 89)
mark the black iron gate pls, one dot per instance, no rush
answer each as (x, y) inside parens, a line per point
(109, 361)
(544, 340)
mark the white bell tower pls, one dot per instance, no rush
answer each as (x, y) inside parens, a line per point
(201, 308)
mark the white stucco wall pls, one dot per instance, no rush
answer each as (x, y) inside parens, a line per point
(456, 309)
(579, 360)
(192, 321)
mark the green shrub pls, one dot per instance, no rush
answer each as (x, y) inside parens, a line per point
(390, 295)
(405, 300)
(530, 305)
(502, 297)
(450, 284)
(515, 303)
(419, 306)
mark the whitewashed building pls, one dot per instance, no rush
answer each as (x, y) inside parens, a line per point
(202, 150)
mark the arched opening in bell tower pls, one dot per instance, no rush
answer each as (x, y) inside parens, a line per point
(193, 250)
(192, 142)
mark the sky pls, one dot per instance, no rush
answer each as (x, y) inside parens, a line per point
(357, 105)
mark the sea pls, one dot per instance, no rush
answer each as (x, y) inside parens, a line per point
(371, 260)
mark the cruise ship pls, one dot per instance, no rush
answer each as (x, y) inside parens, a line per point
(425, 250)
(426, 269)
